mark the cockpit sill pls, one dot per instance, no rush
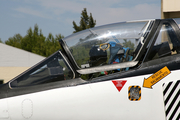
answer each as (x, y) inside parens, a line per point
(108, 67)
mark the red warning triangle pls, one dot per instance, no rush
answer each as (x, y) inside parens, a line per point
(119, 84)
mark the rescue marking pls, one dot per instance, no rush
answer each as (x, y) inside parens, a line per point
(156, 77)
(119, 84)
(134, 93)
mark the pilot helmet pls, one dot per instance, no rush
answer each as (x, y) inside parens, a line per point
(97, 56)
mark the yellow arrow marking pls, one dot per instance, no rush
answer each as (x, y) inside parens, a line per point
(156, 77)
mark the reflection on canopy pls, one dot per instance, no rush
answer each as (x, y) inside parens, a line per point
(107, 44)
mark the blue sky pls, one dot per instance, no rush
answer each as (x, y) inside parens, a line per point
(56, 16)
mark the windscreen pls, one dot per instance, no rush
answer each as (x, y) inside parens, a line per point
(109, 44)
(53, 69)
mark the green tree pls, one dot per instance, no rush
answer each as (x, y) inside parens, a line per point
(1, 41)
(27, 42)
(128, 44)
(14, 41)
(39, 47)
(58, 37)
(52, 44)
(85, 22)
(92, 22)
(34, 41)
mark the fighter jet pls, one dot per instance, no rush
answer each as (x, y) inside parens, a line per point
(120, 71)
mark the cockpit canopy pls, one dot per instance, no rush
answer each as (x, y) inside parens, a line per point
(109, 44)
(99, 51)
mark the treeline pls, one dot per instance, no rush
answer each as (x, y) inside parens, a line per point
(34, 41)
